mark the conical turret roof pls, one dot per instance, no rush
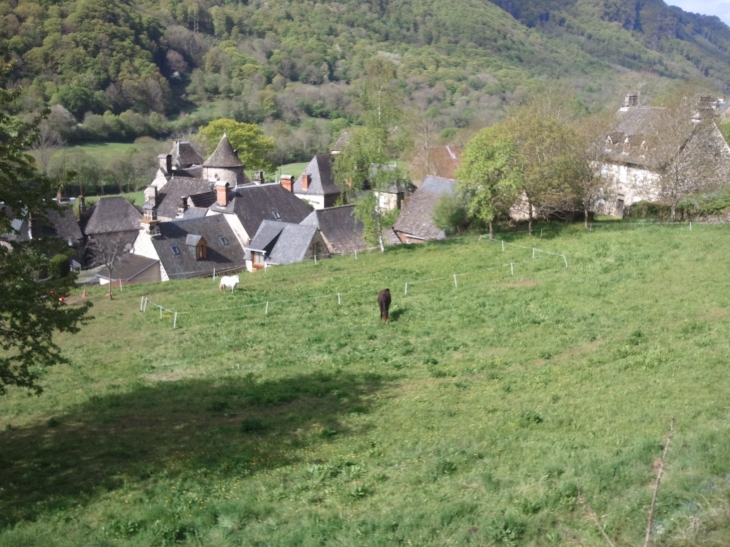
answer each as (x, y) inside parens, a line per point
(223, 155)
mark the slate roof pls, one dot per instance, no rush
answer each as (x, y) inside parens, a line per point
(113, 214)
(283, 242)
(438, 185)
(63, 224)
(342, 232)
(224, 155)
(321, 177)
(20, 232)
(255, 203)
(204, 199)
(184, 265)
(128, 267)
(416, 216)
(184, 155)
(170, 196)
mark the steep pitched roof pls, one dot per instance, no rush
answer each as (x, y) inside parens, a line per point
(283, 242)
(113, 214)
(321, 178)
(183, 265)
(416, 216)
(129, 267)
(342, 232)
(224, 155)
(341, 141)
(63, 224)
(170, 196)
(256, 203)
(184, 155)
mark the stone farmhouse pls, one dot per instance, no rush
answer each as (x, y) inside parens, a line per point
(627, 159)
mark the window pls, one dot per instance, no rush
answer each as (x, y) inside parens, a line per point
(276, 214)
(175, 250)
(223, 240)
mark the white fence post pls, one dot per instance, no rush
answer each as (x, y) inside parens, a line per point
(566, 261)
(315, 260)
(533, 252)
(690, 226)
(540, 232)
(213, 273)
(339, 302)
(160, 311)
(512, 268)
(174, 321)
(503, 245)
(480, 238)
(355, 254)
(141, 304)
(456, 286)
(405, 289)
(267, 309)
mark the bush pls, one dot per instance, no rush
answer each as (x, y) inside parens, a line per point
(450, 214)
(59, 266)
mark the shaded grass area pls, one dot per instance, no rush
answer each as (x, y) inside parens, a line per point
(476, 416)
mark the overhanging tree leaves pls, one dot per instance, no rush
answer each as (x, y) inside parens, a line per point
(488, 176)
(30, 311)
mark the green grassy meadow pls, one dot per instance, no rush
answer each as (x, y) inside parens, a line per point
(479, 415)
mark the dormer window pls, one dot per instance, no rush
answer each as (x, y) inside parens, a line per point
(201, 246)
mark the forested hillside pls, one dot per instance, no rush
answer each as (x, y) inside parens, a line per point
(127, 68)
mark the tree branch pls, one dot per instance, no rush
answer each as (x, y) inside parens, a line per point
(659, 474)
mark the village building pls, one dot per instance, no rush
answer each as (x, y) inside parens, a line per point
(189, 248)
(415, 223)
(629, 163)
(246, 207)
(278, 243)
(316, 185)
(131, 269)
(113, 221)
(340, 230)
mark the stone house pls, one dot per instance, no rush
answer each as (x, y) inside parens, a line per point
(316, 185)
(628, 161)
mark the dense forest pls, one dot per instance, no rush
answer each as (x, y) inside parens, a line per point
(121, 69)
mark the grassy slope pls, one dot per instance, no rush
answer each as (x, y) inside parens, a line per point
(474, 417)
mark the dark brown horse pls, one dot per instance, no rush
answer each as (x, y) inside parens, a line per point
(384, 303)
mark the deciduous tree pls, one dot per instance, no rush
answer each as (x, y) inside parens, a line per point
(30, 311)
(488, 176)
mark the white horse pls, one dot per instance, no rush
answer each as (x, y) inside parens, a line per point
(229, 281)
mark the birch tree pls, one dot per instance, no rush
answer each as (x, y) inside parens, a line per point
(366, 166)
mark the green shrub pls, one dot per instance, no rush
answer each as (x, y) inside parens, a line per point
(59, 266)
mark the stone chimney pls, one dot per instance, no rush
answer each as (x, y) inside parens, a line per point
(183, 206)
(305, 182)
(221, 191)
(150, 195)
(149, 221)
(258, 177)
(168, 164)
(631, 101)
(287, 181)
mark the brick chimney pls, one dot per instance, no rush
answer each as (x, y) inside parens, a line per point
(221, 191)
(287, 181)
(305, 182)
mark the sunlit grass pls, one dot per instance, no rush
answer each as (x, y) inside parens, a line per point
(475, 416)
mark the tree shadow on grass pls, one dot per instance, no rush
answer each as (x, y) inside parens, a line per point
(232, 426)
